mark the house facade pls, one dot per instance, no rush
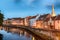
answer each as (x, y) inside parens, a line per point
(48, 21)
(14, 21)
(19, 21)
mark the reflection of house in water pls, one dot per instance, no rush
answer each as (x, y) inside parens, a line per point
(27, 35)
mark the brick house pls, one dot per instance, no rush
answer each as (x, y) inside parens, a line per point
(14, 21)
(49, 21)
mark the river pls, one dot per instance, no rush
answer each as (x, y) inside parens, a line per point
(15, 35)
(20, 34)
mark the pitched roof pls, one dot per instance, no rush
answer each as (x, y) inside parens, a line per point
(15, 18)
(31, 17)
(52, 18)
(57, 17)
(43, 17)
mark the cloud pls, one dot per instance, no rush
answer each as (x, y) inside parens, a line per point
(56, 5)
(17, 1)
(27, 2)
(30, 1)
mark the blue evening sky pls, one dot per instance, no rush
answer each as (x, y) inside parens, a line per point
(23, 8)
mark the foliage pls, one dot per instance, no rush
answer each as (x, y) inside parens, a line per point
(1, 18)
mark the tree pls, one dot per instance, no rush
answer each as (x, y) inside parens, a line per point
(1, 18)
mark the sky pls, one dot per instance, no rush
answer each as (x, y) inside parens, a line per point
(23, 8)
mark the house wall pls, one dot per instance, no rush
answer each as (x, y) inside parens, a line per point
(14, 22)
(56, 24)
(17, 22)
(59, 24)
(45, 25)
(39, 24)
(26, 22)
(5, 22)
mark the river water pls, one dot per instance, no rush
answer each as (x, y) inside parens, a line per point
(14, 35)
(19, 34)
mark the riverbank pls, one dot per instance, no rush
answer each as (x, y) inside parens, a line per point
(39, 35)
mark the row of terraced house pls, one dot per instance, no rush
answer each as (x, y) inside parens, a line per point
(19, 21)
(49, 21)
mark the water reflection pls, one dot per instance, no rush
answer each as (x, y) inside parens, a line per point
(57, 36)
(54, 35)
(21, 34)
(16, 35)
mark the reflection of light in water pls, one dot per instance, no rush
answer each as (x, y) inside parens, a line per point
(25, 36)
(20, 33)
(33, 38)
(56, 37)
